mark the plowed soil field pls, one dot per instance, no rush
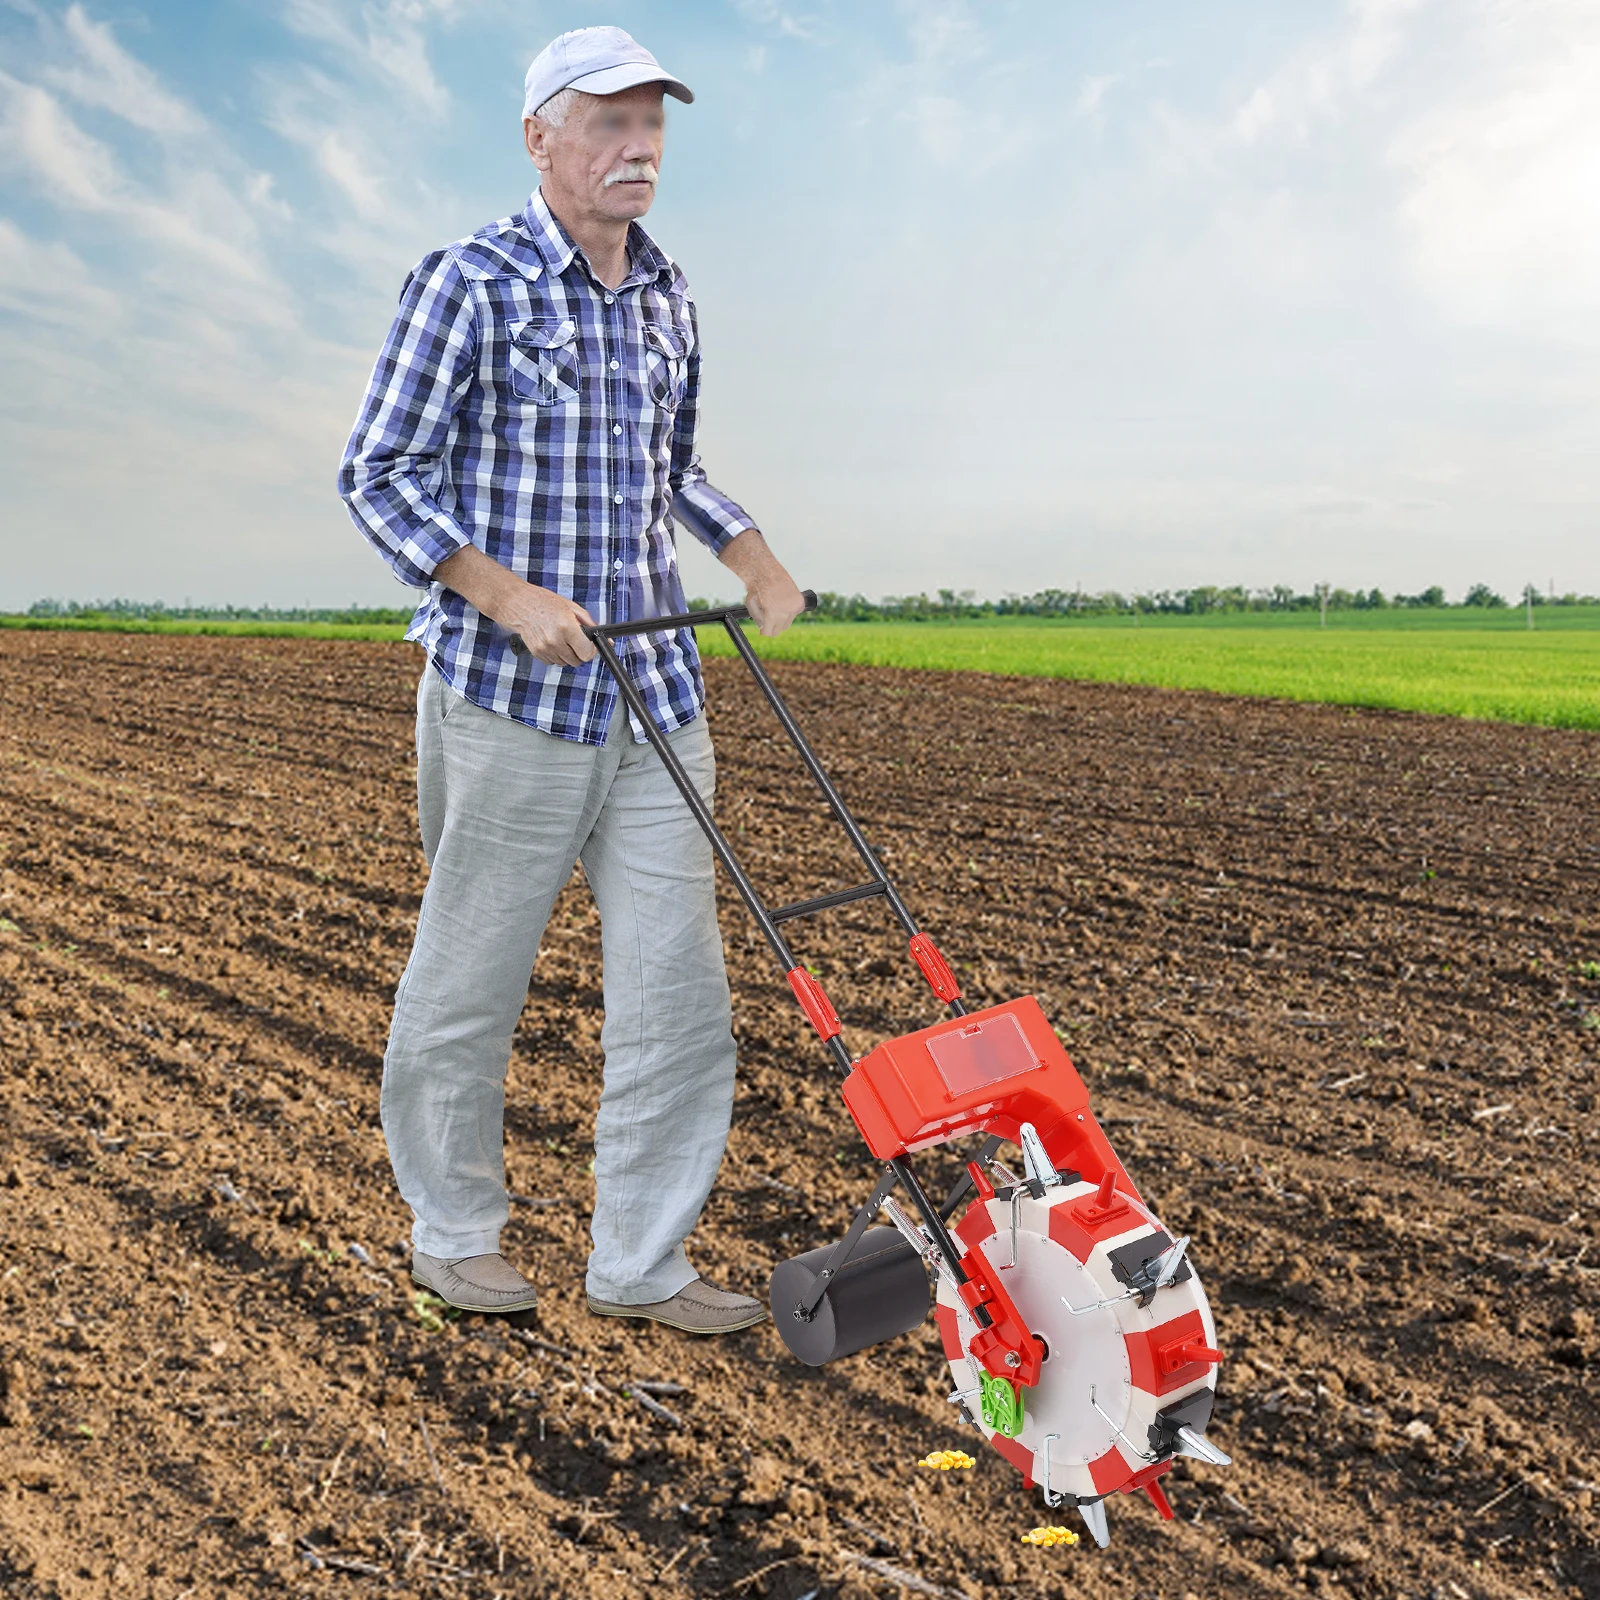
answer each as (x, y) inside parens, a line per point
(1333, 978)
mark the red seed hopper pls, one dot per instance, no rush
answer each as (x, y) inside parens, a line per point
(1079, 1339)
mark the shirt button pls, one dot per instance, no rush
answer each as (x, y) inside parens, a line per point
(617, 565)
(615, 363)
(616, 427)
(611, 299)
(617, 498)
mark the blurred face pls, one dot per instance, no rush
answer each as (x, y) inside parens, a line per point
(601, 164)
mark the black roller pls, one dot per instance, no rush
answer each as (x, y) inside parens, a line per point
(881, 1292)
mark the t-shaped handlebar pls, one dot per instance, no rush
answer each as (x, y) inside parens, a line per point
(683, 619)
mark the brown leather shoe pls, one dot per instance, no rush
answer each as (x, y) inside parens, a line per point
(474, 1283)
(699, 1307)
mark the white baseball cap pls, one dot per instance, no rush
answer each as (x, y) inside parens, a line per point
(597, 61)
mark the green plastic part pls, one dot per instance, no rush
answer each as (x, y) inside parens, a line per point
(1001, 1402)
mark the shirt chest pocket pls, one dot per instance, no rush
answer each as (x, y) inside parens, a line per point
(666, 363)
(544, 361)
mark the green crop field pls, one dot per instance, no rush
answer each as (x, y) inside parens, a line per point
(232, 630)
(1453, 661)
(1491, 666)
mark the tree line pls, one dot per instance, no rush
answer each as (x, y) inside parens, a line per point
(1206, 599)
(160, 611)
(943, 604)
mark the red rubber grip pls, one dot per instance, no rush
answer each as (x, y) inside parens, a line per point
(934, 968)
(815, 1003)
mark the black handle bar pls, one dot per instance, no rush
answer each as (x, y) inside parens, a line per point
(730, 617)
(683, 619)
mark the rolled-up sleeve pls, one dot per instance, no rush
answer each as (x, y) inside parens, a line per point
(704, 510)
(392, 465)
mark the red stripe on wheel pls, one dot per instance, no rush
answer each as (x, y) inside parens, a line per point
(1018, 1455)
(975, 1227)
(1070, 1234)
(949, 1332)
(1145, 1354)
(1110, 1471)
(1078, 1226)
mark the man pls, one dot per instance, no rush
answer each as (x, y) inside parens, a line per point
(524, 449)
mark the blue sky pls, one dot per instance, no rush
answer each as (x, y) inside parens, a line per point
(994, 295)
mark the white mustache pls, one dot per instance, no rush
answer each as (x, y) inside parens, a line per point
(631, 172)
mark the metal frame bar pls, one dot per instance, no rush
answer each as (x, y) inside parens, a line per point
(806, 1306)
(826, 902)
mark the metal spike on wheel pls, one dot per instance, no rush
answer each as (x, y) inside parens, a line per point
(1035, 1162)
(1201, 1448)
(1093, 1513)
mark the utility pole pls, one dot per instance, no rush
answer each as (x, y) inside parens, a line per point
(1527, 594)
(1322, 595)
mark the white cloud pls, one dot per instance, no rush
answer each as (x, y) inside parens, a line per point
(368, 111)
(346, 168)
(168, 338)
(199, 219)
(1503, 177)
(386, 39)
(43, 279)
(1452, 144)
(105, 75)
(167, 311)
(262, 191)
(950, 88)
(1256, 115)
(1092, 92)
(943, 33)
(37, 137)
(373, 204)
(1230, 342)
(781, 18)
(302, 112)
(1322, 80)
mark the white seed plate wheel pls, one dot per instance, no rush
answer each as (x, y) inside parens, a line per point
(1112, 1364)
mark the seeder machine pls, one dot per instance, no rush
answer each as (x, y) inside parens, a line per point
(1079, 1339)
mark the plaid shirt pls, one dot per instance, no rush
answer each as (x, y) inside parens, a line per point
(521, 406)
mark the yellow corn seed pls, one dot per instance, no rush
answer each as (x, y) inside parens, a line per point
(1049, 1538)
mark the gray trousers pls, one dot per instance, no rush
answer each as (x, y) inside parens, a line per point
(505, 811)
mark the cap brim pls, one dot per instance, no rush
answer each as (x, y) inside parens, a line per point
(613, 80)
